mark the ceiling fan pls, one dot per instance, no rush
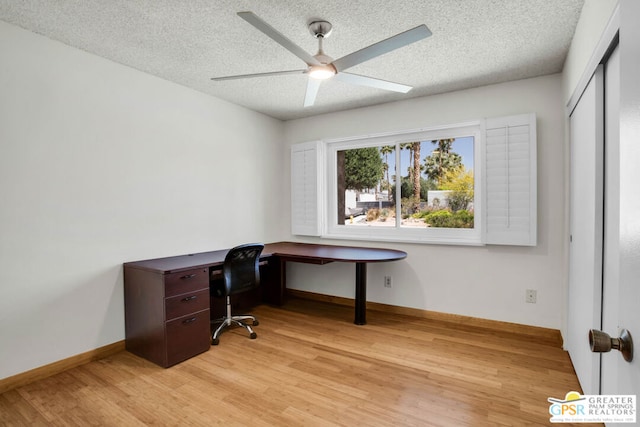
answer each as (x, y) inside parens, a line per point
(321, 66)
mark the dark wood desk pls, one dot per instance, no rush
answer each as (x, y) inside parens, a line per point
(167, 301)
(324, 254)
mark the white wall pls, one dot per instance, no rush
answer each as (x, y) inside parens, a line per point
(101, 164)
(486, 282)
(593, 20)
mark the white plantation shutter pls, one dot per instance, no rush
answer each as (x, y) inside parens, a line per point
(510, 191)
(306, 190)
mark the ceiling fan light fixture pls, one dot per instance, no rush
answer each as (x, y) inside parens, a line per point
(322, 71)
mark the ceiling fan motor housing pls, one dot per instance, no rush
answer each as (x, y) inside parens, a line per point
(320, 29)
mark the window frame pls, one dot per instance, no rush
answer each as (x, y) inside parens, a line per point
(332, 229)
(506, 207)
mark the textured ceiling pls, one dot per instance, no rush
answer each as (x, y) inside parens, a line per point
(474, 43)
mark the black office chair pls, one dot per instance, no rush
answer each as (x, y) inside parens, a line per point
(241, 273)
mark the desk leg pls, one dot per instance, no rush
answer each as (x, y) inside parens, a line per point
(274, 281)
(361, 293)
(283, 282)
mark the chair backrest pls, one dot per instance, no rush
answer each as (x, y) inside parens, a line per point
(242, 268)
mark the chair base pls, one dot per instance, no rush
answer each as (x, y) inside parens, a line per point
(229, 320)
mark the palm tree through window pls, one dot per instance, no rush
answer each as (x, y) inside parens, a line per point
(426, 184)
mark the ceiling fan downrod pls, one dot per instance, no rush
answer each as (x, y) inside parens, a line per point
(320, 30)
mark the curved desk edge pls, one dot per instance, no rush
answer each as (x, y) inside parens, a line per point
(323, 254)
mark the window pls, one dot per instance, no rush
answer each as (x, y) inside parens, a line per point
(417, 186)
(466, 184)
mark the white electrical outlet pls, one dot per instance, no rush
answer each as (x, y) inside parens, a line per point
(387, 281)
(531, 296)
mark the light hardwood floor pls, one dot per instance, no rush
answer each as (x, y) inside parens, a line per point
(312, 366)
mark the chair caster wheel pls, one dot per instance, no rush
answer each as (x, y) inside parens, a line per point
(253, 335)
(256, 323)
(215, 341)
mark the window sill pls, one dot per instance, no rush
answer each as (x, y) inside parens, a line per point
(470, 238)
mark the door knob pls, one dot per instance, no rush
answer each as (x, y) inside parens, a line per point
(601, 342)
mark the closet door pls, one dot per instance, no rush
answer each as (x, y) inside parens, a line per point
(621, 295)
(586, 231)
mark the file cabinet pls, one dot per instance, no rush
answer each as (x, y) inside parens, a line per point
(167, 317)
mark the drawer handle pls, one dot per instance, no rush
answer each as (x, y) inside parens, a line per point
(189, 276)
(193, 319)
(191, 298)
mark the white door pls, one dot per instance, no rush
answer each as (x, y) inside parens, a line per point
(586, 231)
(620, 304)
(621, 297)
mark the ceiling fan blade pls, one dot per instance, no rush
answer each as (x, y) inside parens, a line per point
(312, 90)
(371, 82)
(247, 76)
(392, 43)
(278, 37)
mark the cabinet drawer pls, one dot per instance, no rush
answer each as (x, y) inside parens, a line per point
(187, 336)
(186, 281)
(184, 304)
